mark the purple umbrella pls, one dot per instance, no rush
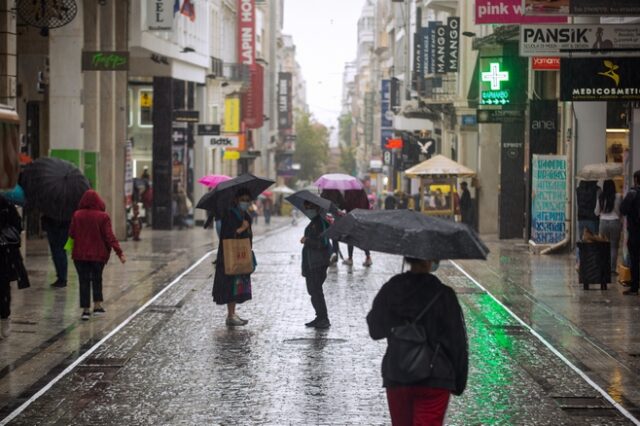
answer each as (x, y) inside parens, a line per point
(213, 180)
(338, 181)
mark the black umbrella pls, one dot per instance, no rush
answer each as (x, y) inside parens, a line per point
(54, 187)
(408, 233)
(221, 197)
(298, 199)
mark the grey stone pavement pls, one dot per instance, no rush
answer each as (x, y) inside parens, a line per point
(177, 363)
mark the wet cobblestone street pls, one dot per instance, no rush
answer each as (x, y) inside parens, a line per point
(176, 363)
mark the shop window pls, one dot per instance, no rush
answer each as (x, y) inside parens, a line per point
(145, 108)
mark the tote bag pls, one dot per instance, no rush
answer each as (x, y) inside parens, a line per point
(238, 257)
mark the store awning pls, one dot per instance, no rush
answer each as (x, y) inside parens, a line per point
(439, 166)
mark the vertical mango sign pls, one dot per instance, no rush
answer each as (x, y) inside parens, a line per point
(232, 115)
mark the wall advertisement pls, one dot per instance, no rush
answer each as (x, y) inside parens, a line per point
(548, 198)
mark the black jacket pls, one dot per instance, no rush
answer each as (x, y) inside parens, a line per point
(630, 207)
(401, 299)
(316, 251)
(586, 199)
(11, 263)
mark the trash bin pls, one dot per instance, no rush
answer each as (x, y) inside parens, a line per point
(595, 264)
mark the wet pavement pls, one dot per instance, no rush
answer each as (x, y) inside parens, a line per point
(177, 363)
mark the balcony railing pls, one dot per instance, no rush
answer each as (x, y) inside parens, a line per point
(237, 72)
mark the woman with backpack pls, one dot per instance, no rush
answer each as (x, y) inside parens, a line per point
(608, 210)
(419, 297)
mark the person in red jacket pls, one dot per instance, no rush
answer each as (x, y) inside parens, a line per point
(93, 240)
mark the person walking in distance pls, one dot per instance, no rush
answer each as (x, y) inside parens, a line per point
(316, 253)
(93, 240)
(608, 209)
(57, 234)
(467, 210)
(630, 207)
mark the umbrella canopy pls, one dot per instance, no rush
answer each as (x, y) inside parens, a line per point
(408, 233)
(298, 199)
(600, 171)
(54, 187)
(282, 189)
(439, 165)
(338, 181)
(213, 180)
(221, 197)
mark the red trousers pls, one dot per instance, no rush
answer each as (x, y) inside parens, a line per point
(417, 405)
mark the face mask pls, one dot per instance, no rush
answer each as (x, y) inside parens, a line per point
(435, 265)
(311, 213)
(244, 205)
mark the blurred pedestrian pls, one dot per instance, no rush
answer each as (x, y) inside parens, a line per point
(356, 199)
(630, 207)
(336, 197)
(147, 200)
(57, 234)
(11, 263)
(390, 202)
(182, 210)
(93, 240)
(403, 299)
(467, 209)
(315, 260)
(267, 207)
(231, 290)
(608, 210)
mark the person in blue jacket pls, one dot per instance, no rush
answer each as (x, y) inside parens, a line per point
(316, 253)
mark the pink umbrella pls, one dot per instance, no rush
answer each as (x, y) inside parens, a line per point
(213, 180)
(338, 181)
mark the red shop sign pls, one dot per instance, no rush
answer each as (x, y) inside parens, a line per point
(545, 63)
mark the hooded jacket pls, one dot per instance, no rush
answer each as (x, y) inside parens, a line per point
(400, 300)
(91, 230)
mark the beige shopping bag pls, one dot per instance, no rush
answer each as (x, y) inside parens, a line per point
(238, 258)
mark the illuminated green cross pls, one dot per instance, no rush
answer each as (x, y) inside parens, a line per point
(495, 76)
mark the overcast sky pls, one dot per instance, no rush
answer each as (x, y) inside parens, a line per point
(325, 35)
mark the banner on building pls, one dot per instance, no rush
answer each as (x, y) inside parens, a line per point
(431, 46)
(453, 44)
(543, 126)
(253, 99)
(232, 115)
(582, 7)
(369, 103)
(386, 115)
(580, 40)
(284, 165)
(418, 60)
(285, 109)
(160, 15)
(611, 79)
(246, 32)
(509, 12)
(548, 198)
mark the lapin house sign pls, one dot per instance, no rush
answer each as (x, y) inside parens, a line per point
(246, 32)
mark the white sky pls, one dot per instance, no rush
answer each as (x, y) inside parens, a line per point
(325, 34)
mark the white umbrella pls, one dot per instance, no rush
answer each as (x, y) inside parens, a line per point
(600, 171)
(282, 189)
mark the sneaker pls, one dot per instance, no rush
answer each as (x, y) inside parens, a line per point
(235, 321)
(86, 315)
(311, 323)
(5, 328)
(322, 324)
(59, 284)
(334, 259)
(630, 292)
(242, 319)
(98, 311)
(348, 262)
(367, 262)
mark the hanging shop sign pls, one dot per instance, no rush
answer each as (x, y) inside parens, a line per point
(508, 12)
(225, 142)
(105, 61)
(284, 165)
(543, 126)
(545, 63)
(431, 46)
(208, 129)
(440, 46)
(494, 82)
(232, 115)
(246, 32)
(548, 199)
(386, 118)
(160, 15)
(285, 113)
(385, 135)
(578, 40)
(582, 7)
(253, 99)
(612, 79)
(186, 116)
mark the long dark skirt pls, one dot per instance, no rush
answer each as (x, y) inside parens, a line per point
(230, 288)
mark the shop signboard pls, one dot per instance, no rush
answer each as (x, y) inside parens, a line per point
(548, 200)
(186, 116)
(385, 135)
(441, 45)
(232, 115)
(543, 126)
(508, 12)
(386, 119)
(284, 165)
(545, 63)
(582, 7)
(253, 99)
(285, 113)
(105, 61)
(208, 129)
(160, 15)
(225, 141)
(494, 82)
(580, 40)
(486, 116)
(611, 79)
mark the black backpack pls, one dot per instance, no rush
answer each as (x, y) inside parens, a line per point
(411, 357)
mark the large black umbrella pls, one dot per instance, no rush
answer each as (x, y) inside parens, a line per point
(408, 233)
(298, 199)
(221, 197)
(54, 187)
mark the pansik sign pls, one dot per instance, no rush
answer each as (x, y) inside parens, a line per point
(612, 79)
(579, 40)
(285, 113)
(548, 200)
(159, 15)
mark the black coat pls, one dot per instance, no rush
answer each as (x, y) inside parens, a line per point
(11, 263)
(316, 251)
(401, 299)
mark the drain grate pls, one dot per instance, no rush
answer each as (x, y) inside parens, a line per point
(585, 406)
(307, 341)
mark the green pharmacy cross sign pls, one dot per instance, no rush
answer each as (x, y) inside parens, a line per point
(494, 83)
